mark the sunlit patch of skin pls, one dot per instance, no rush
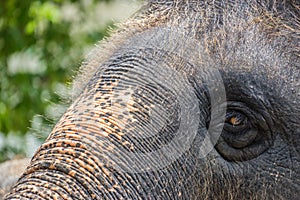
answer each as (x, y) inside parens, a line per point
(110, 111)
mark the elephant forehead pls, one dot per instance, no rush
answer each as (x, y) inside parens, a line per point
(113, 108)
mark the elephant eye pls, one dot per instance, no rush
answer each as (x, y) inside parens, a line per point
(236, 124)
(238, 131)
(235, 119)
(245, 135)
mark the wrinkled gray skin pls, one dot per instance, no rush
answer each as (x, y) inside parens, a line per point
(188, 100)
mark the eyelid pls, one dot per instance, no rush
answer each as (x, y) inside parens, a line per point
(250, 138)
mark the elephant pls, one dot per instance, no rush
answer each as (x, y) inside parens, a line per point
(187, 99)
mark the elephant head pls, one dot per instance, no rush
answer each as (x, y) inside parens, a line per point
(187, 100)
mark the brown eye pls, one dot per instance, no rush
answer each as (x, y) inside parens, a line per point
(235, 118)
(235, 121)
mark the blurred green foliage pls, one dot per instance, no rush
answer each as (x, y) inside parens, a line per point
(42, 43)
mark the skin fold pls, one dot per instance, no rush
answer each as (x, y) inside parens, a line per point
(186, 100)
